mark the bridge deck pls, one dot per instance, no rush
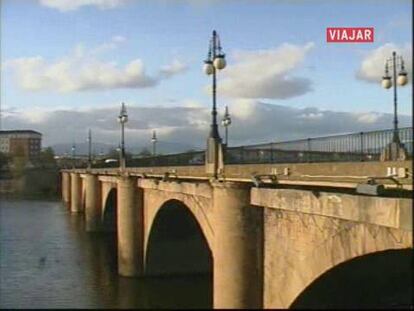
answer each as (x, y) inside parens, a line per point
(345, 174)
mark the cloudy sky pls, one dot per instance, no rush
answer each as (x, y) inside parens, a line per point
(66, 65)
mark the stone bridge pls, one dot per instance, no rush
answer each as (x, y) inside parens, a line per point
(271, 236)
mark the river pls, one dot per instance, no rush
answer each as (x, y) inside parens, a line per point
(47, 260)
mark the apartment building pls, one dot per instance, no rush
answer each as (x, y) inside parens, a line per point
(23, 142)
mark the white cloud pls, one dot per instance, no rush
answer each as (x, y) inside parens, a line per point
(311, 115)
(82, 70)
(369, 117)
(174, 68)
(114, 43)
(243, 108)
(191, 103)
(181, 124)
(74, 74)
(118, 39)
(70, 5)
(372, 66)
(266, 73)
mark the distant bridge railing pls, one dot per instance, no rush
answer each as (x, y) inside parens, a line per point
(361, 146)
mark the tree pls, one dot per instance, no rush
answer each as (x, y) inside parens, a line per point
(47, 157)
(19, 162)
(112, 154)
(190, 151)
(4, 160)
(145, 153)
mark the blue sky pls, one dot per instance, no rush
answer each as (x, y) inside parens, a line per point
(163, 33)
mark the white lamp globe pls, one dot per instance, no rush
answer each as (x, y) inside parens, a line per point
(219, 62)
(208, 68)
(402, 78)
(226, 122)
(386, 82)
(123, 119)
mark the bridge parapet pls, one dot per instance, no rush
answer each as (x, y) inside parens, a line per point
(196, 189)
(388, 212)
(392, 174)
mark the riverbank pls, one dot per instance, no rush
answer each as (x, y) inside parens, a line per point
(33, 184)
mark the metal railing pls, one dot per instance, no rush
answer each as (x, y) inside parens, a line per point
(178, 159)
(361, 146)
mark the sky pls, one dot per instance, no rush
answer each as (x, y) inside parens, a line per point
(66, 66)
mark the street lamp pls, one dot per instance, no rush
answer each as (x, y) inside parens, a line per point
(226, 122)
(122, 119)
(73, 150)
(73, 154)
(395, 150)
(89, 148)
(154, 142)
(215, 61)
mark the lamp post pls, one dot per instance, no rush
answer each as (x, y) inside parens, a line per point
(122, 119)
(73, 154)
(154, 142)
(395, 150)
(226, 123)
(89, 148)
(215, 61)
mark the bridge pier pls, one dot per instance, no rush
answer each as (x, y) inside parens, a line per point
(130, 227)
(238, 259)
(92, 203)
(76, 193)
(66, 188)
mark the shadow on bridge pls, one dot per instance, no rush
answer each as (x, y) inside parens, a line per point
(110, 212)
(178, 249)
(109, 221)
(379, 280)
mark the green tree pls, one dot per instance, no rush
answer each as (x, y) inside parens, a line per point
(128, 156)
(145, 153)
(46, 158)
(190, 151)
(19, 162)
(112, 154)
(4, 160)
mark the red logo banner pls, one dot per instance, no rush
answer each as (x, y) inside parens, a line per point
(350, 34)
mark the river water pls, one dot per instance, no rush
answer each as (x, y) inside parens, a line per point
(47, 260)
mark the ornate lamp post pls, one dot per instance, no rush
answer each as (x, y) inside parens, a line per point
(122, 119)
(73, 154)
(395, 150)
(215, 61)
(226, 123)
(154, 142)
(89, 148)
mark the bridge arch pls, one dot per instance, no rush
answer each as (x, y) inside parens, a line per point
(361, 242)
(83, 198)
(376, 280)
(177, 243)
(109, 212)
(83, 194)
(105, 189)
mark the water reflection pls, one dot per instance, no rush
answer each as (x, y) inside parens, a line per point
(47, 260)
